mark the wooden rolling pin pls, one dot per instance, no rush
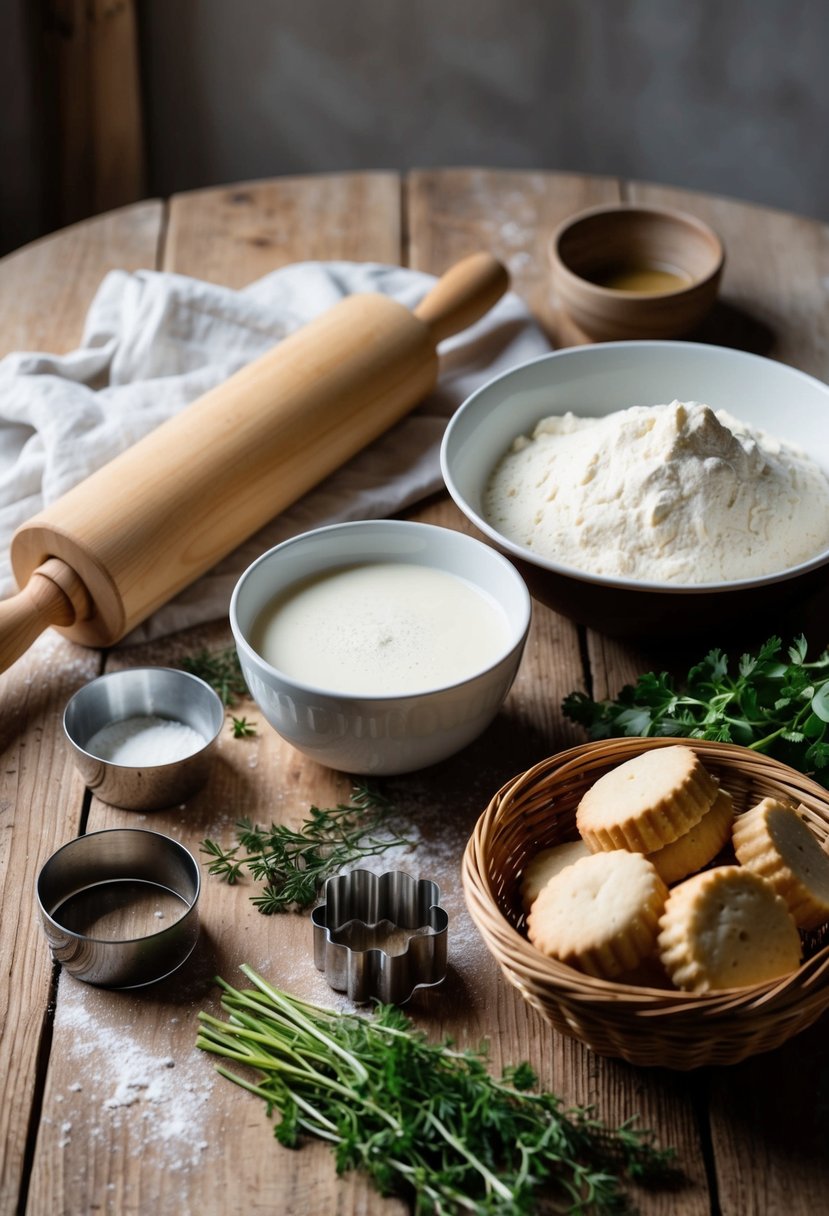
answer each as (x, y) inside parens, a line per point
(121, 543)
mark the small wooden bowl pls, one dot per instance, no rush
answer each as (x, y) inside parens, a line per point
(607, 264)
(658, 1027)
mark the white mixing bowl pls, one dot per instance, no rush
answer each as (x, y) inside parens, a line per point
(389, 733)
(597, 380)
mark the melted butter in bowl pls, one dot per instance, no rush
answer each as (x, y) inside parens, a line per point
(643, 280)
(627, 271)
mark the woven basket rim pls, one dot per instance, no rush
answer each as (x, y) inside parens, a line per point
(528, 966)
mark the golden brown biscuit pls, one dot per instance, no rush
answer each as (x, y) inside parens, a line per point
(600, 914)
(545, 864)
(726, 928)
(699, 845)
(774, 841)
(646, 802)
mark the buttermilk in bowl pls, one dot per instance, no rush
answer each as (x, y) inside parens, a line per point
(678, 493)
(381, 629)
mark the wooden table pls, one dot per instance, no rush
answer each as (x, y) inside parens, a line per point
(105, 1105)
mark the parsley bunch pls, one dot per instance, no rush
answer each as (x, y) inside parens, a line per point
(770, 705)
(423, 1121)
(294, 863)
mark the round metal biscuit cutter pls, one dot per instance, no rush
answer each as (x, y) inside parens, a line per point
(380, 936)
(118, 873)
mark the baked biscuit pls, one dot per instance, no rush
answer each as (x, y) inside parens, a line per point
(600, 914)
(772, 840)
(699, 845)
(646, 802)
(544, 865)
(726, 928)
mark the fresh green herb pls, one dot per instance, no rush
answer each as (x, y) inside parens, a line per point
(294, 863)
(242, 729)
(771, 705)
(221, 670)
(424, 1121)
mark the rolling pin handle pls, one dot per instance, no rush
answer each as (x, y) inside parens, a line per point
(463, 295)
(54, 595)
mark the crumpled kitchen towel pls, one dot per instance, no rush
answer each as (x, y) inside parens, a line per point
(154, 341)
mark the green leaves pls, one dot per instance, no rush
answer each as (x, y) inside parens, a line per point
(294, 863)
(425, 1122)
(820, 703)
(770, 705)
(221, 670)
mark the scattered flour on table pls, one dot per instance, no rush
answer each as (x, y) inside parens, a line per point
(160, 1101)
(51, 651)
(120, 1090)
(677, 493)
(435, 854)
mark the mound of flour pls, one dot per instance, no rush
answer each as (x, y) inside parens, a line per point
(675, 493)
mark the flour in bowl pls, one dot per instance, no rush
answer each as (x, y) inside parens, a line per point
(677, 493)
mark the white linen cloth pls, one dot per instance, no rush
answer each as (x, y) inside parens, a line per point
(153, 342)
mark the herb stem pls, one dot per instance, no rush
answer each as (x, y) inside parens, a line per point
(309, 1026)
(294, 863)
(492, 1182)
(317, 1121)
(422, 1120)
(760, 745)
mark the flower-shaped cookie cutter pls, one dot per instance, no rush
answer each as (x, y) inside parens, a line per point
(380, 935)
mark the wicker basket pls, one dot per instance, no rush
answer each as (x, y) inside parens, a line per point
(645, 1026)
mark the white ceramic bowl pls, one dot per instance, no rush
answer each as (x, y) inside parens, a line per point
(594, 381)
(390, 733)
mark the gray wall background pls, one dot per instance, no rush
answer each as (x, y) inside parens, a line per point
(729, 96)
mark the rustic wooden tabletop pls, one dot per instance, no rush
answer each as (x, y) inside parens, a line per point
(105, 1105)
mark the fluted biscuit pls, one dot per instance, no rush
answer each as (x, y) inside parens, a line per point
(601, 914)
(773, 840)
(545, 864)
(726, 928)
(646, 802)
(699, 845)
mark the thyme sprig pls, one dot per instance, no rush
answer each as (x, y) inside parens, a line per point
(293, 863)
(221, 670)
(770, 705)
(424, 1121)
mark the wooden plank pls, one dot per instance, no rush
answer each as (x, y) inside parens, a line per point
(773, 296)
(765, 1112)
(91, 57)
(47, 287)
(769, 1128)
(452, 212)
(145, 1136)
(135, 1118)
(117, 119)
(512, 214)
(238, 233)
(40, 807)
(769, 1112)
